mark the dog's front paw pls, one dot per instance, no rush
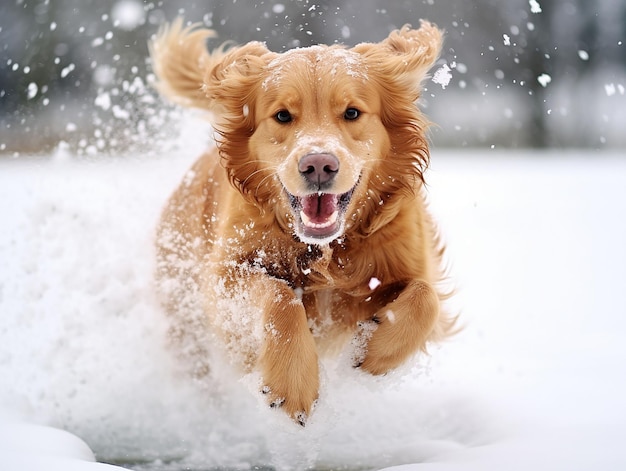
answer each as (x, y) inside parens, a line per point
(399, 330)
(378, 345)
(375, 348)
(293, 387)
(288, 362)
(297, 406)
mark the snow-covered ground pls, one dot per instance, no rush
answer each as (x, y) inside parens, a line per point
(537, 245)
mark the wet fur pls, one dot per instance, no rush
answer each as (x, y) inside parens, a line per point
(227, 237)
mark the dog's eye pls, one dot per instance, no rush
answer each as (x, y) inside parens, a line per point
(283, 116)
(351, 114)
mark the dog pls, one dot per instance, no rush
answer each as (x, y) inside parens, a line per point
(306, 229)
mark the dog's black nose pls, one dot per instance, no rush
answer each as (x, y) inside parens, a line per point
(318, 169)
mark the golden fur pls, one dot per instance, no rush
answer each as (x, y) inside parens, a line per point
(281, 263)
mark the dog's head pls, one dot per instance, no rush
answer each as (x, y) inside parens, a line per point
(324, 136)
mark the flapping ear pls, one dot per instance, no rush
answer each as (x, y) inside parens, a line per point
(405, 56)
(232, 86)
(233, 83)
(397, 66)
(221, 81)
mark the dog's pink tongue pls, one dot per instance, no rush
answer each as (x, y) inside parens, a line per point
(319, 208)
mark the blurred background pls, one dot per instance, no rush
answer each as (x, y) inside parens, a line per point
(74, 74)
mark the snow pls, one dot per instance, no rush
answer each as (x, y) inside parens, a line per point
(374, 283)
(535, 7)
(278, 8)
(611, 89)
(32, 91)
(442, 76)
(544, 80)
(534, 381)
(128, 14)
(34, 447)
(67, 70)
(103, 100)
(583, 55)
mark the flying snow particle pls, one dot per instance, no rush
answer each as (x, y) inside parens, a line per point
(534, 6)
(120, 113)
(128, 14)
(544, 80)
(345, 31)
(361, 339)
(461, 68)
(374, 283)
(103, 75)
(507, 39)
(62, 152)
(278, 8)
(584, 55)
(442, 76)
(67, 70)
(32, 91)
(71, 127)
(103, 101)
(609, 88)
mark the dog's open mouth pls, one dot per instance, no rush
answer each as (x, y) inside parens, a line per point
(319, 217)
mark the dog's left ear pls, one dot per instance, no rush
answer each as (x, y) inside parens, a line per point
(405, 56)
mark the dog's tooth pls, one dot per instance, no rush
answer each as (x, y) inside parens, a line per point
(305, 219)
(332, 219)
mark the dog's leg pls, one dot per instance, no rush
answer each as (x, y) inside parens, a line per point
(398, 330)
(288, 361)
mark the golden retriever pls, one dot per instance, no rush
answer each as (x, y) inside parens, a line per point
(306, 226)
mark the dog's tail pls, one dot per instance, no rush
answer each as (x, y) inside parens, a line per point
(180, 60)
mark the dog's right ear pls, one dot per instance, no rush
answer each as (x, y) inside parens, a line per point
(222, 81)
(234, 81)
